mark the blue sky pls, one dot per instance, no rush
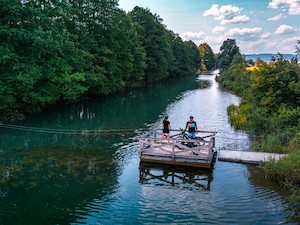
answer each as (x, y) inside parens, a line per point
(259, 26)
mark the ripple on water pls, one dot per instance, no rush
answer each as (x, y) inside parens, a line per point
(160, 195)
(231, 199)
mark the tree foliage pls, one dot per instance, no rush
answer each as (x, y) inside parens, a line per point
(59, 51)
(270, 110)
(271, 102)
(228, 51)
(276, 83)
(207, 57)
(167, 54)
(236, 79)
(298, 48)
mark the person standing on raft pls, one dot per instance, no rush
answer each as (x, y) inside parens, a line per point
(191, 125)
(166, 126)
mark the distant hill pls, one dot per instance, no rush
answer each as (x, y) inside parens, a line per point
(267, 57)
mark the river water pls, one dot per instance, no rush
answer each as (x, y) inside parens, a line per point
(52, 178)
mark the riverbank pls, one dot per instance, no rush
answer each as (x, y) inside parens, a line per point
(270, 112)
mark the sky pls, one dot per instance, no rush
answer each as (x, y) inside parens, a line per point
(258, 26)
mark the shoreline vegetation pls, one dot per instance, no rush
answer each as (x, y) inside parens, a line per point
(269, 112)
(59, 52)
(56, 52)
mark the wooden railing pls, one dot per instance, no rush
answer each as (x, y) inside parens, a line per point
(180, 141)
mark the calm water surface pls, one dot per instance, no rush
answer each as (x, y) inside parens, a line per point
(98, 179)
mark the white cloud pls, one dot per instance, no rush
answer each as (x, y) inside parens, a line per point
(237, 19)
(291, 41)
(227, 14)
(284, 29)
(293, 6)
(224, 12)
(199, 37)
(250, 40)
(214, 42)
(266, 35)
(219, 30)
(244, 32)
(275, 18)
(192, 35)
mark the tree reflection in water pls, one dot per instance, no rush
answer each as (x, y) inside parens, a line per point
(52, 186)
(185, 178)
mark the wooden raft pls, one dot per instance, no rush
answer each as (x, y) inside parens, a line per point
(178, 150)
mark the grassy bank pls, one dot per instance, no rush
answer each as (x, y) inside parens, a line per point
(270, 111)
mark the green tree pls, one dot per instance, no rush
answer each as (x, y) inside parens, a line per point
(185, 57)
(60, 51)
(154, 39)
(236, 78)
(193, 54)
(207, 57)
(227, 52)
(249, 62)
(238, 58)
(274, 84)
(298, 48)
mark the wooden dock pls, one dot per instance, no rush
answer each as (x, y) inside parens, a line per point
(179, 149)
(248, 156)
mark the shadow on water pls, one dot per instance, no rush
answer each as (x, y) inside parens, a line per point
(172, 176)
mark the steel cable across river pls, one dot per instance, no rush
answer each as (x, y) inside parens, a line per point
(53, 178)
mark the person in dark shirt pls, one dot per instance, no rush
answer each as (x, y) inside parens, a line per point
(192, 128)
(166, 126)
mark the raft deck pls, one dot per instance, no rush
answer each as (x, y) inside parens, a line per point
(178, 150)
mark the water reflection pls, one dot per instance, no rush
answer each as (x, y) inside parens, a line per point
(179, 177)
(48, 185)
(273, 191)
(138, 108)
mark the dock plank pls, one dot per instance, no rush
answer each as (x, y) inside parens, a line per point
(248, 156)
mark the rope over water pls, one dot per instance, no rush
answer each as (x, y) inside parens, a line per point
(86, 132)
(66, 131)
(91, 132)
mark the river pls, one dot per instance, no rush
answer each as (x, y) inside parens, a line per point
(52, 178)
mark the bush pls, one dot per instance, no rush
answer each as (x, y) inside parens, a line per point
(286, 170)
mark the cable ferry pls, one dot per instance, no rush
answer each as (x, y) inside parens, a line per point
(180, 149)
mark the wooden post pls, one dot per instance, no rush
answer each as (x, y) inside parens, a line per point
(173, 149)
(140, 146)
(211, 150)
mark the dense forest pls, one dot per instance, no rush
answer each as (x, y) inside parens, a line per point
(270, 109)
(60, 51)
